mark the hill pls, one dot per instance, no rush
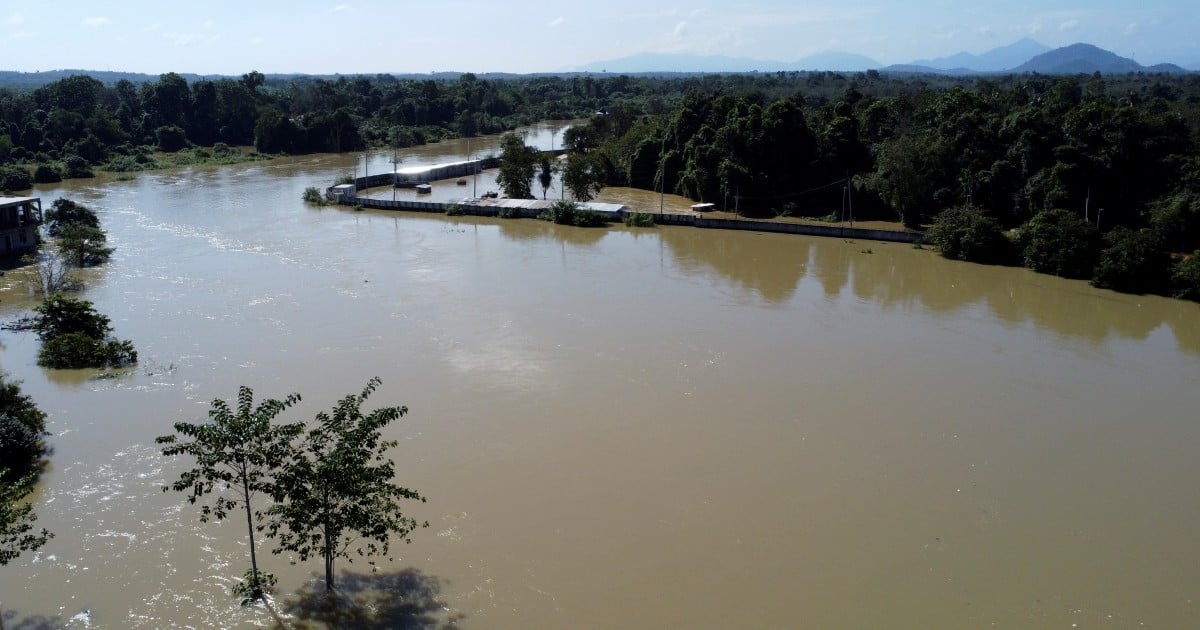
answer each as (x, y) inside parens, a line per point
(1086, 59)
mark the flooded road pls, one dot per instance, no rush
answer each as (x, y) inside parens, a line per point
(624, 428)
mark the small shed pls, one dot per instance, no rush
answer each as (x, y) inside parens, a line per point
(703, 207)
(343, 192)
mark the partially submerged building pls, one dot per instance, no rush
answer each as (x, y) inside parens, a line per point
(20, 218)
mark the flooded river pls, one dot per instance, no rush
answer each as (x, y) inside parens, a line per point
(623, 428)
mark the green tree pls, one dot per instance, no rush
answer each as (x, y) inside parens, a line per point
(74, 335)
(1133, 262)
(83, 245)
(22, 426)
(517, 161)
(1060, 243)
(545, 174)
(964, 233)
(14, 178)
(64, 213)
(1185, 278)
(16, 519)
(239, 451)
(583, 176)
(336, 495)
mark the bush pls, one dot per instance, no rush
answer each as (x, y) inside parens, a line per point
(507, 213)
(639, 219)
(1133, 262)
(46, 174)
(75, 167)
(221, 149)
(1185, 278)
(964, 233)
(454, 210)
(75, 336)
(568, 213)
(14, 178)
(124, 164)
(1060, 243)
(77, 350)
(170, 138)
(312, 194)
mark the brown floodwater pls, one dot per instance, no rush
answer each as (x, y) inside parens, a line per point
(623, 428)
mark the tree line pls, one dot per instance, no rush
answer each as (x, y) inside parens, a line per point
(69, 128)
(1121, 155)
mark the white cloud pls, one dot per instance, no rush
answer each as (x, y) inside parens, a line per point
(207, 24)
(23, 35)
(680, 30)
(96, 21)
(1131, 29)
(340, 7)
(1068, 25)
(984, 30)
(558, 21)
(150, 28)
(257, 41)
(16, 18)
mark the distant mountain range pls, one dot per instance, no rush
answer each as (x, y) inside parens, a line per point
(1022, 56)
(676, 62)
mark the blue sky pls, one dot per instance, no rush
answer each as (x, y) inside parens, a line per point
(368, 36)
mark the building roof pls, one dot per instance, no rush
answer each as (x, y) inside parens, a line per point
(16, 201)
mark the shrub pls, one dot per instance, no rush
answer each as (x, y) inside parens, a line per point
(312, 194)
(1185, 278)
(639, 219)
(75, 336)
(75, 167)
(507, 213)
(1133, 262)
(964, 233)
(1060, 243)
(76, 350)
(454, 210)
(46, 174)
(14, 178)
(170, 138)
(568, 213)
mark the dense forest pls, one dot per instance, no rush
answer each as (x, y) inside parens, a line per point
(1118, 154)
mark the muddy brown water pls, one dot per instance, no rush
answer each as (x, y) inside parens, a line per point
(624, 428)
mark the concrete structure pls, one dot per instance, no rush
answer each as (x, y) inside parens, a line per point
(347, 194)
(20, 218)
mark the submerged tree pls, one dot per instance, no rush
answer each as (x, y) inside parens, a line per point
(74, 335)
(239, 451)
(336, 496)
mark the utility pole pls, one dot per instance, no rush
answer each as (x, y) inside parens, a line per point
(1086, 202)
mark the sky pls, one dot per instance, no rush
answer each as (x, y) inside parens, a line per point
(523, 36)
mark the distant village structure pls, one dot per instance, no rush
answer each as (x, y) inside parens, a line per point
(19, 221)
